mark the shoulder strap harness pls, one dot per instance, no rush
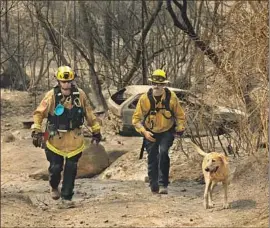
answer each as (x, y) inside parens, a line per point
(166, 103)
(75, 94)
(71, 118)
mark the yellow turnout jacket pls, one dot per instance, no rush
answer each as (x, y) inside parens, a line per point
(70, 143)
(158, 123)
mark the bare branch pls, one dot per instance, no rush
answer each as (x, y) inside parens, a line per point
(189, 30)
(145, 31)
(51, 33)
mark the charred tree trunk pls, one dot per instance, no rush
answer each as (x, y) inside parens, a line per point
(108, 38)
(14, 76)
(95, 83)
(108, 30)
(53, 36)
(144, 70)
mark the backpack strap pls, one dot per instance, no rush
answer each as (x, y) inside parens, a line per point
(167, 100)
(75, 94)
(57, 94)
(71, 118)
(152, 102)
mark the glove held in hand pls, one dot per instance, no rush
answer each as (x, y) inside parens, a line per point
(37, 138)
(96, 138)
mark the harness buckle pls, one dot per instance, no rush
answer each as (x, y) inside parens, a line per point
(153, 112)
(77, 102)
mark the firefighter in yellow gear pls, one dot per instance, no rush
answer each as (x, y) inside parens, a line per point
(160, 118)
(66, 108)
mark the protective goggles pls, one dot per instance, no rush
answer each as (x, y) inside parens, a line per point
(157, 79)
(67, 75)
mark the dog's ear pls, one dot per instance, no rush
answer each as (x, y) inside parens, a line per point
(224, 159)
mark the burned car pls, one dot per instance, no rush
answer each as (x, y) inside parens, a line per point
(202, 119)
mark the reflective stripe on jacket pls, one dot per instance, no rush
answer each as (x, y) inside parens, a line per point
(69, 143)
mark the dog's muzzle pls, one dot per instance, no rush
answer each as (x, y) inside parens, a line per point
(211, 171)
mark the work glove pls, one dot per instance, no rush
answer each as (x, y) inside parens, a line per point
(96, 138)
(178, 134)
(37, 138)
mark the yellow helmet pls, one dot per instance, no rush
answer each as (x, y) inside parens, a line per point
(159, 76)
(64, 73)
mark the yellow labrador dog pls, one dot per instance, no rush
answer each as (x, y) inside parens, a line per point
(215, 169)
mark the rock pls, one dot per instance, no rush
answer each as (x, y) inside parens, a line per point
(120, 169)
(9, 137)
(93, 161)
(146, 179)
(16, 132)
(41, 174)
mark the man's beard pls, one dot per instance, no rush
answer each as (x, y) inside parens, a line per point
(157, 91)
(66, 89)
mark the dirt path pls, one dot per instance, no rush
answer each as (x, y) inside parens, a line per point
(106, 202)
(122, 198)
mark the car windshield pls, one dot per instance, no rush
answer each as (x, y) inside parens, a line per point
(120, 96)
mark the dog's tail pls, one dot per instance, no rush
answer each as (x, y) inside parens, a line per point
(199, 150)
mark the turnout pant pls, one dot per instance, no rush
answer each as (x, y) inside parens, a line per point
(70, 172)
(158, 158)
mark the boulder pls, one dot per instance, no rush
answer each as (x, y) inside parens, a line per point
(93, 161)
(8, 137)
(127, 167)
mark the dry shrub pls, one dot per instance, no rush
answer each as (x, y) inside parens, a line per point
(245, 70)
